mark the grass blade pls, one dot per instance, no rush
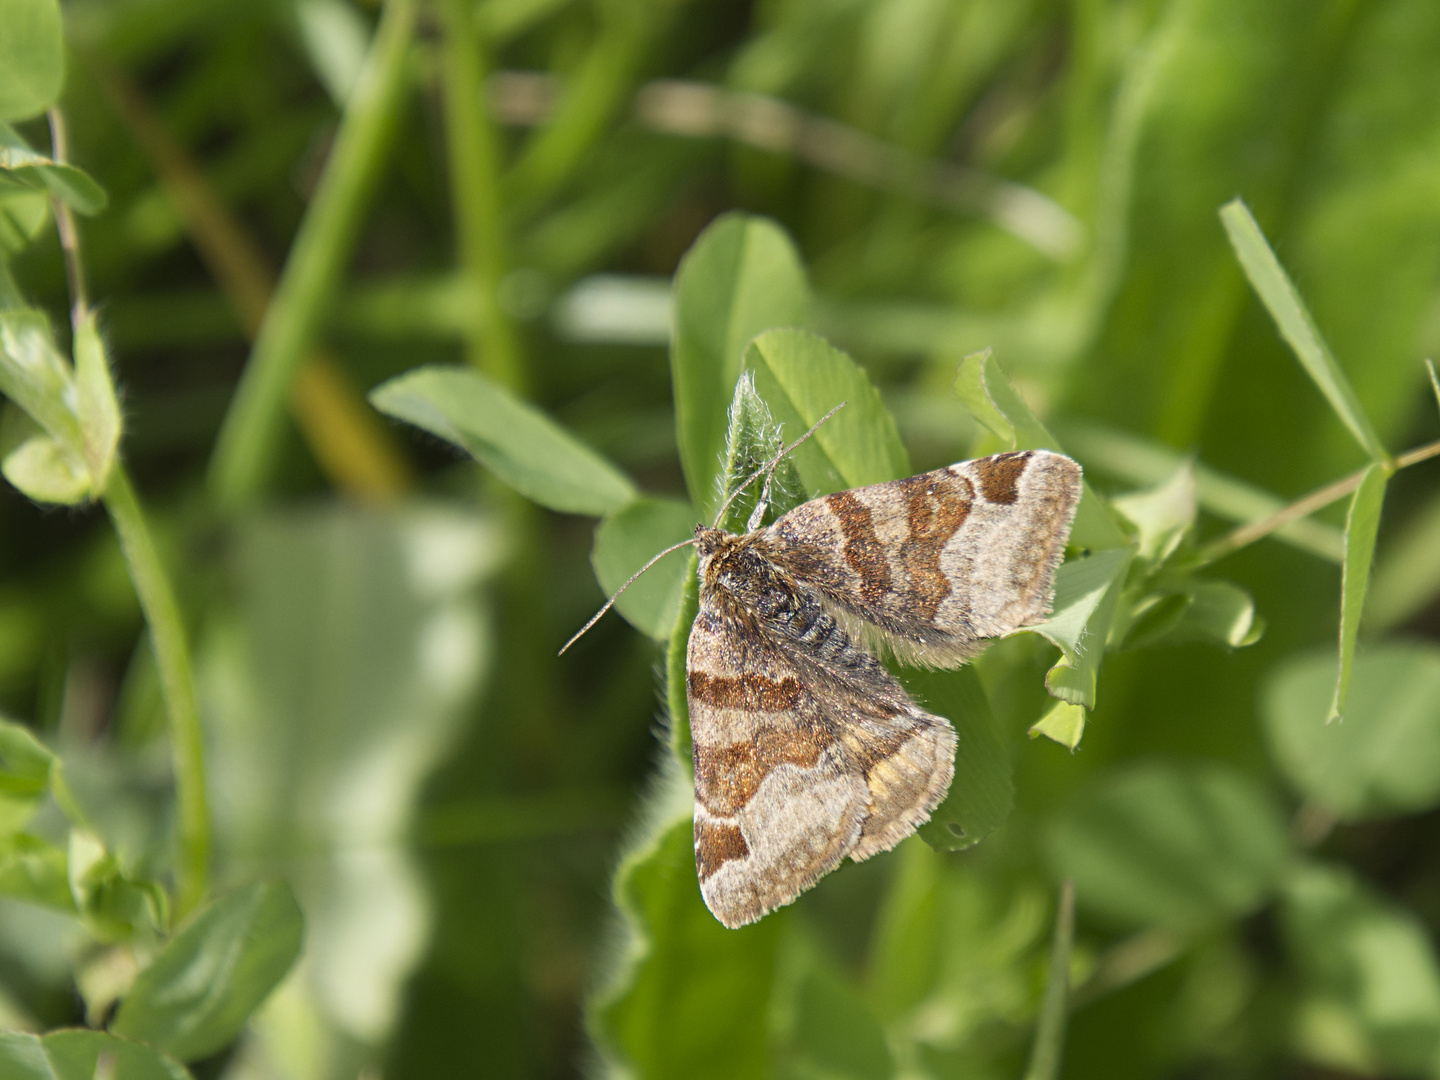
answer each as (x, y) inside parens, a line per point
(1361, 526)
(1281, 299)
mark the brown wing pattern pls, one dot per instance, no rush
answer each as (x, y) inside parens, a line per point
(936, 564)
(806, 749)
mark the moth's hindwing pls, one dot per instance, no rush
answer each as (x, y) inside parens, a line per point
(806, 750)
(935, 565)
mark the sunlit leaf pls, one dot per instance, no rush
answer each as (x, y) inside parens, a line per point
(24, 774)
(741, 276)
(1384, 758)
(1163, 845)
(802, 377)
(1086, 593)
(515, 440)
(1064, 723)
(40, 469)
(196, 996)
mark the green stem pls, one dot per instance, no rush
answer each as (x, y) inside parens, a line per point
(250, 436)
(475, 191)
(177, 684)
(1246, 535)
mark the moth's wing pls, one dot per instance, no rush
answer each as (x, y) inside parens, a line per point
(803, 754)
(776, 804)
(935, 564)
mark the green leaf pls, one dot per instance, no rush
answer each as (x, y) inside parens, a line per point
(1050, 1024)
(983, 791)
(1362, 525)
(23, 213)
(23, 166)
(1212, 612)
(1064, 724)
(1162, 515)
(687, 997)
(802, 377)
(752, 441)
(32, 57)
(833, 1033)
(510, 437)
(985, 392)
(41, 470)
(98, 409)
(34, 870)
(77, 1054)
(114, 903)
(36, 377)
(625, 541)
(1086, 593)
(1158, 844)
(196, 996)
(1277, 292)
(1371, 961)
(1385, 758)
(24, 775)
(740, 277)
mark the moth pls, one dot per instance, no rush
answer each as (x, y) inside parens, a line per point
(806, 749)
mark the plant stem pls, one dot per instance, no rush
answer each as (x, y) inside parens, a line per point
(251, 433)
(1050, 1029)
(1245, 535)
(177, 684)
(65, 223)
(474, 159)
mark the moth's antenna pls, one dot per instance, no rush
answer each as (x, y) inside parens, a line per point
(611, 602)
(771, 465)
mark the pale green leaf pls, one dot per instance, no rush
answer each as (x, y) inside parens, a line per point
(513, 439)
(34, 870)
(1086, 593)
(41, 470)
(1064, 723)
(96, 404)
(1162, 515)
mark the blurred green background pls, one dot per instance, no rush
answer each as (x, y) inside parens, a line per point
(510, 185)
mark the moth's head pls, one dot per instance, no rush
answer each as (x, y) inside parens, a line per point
(708, 541)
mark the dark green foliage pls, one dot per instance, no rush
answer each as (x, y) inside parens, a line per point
(352, 403)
